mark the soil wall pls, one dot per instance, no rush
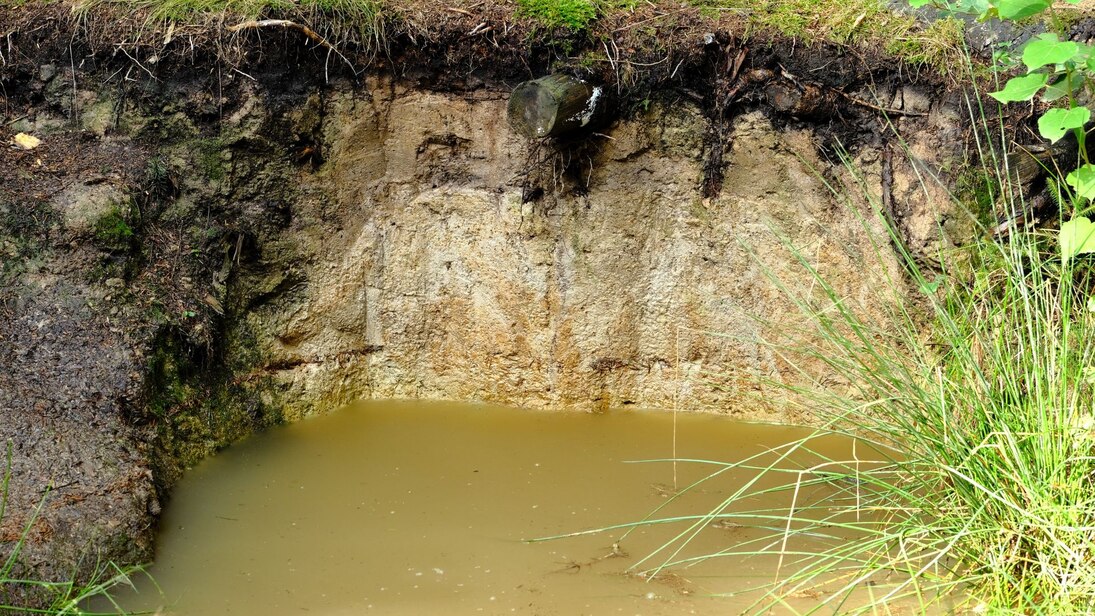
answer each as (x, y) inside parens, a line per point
(200, 248)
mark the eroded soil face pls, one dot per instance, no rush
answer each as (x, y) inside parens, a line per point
(72, 369)
(202, 247)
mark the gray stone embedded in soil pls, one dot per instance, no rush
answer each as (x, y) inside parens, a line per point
(82, 205)
(915, 99)
(46, 72)
(22, 125)
(554, 106)
(98, 118)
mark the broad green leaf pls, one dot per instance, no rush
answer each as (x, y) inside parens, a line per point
(1018, 9)
(1083, 52)
(1082, 181)
(919, 3)
(970, 7)
(1056, 122)
(1077, 237)
(929, 288)
(1021, 88)
(1048, 49)
(1070, 83)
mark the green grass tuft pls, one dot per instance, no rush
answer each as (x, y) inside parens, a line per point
(361, 22)
(366, 22)
(184, 10)
(852, 22)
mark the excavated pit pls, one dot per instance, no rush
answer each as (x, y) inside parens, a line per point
(202, 248)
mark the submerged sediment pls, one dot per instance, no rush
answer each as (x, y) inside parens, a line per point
(224, 229)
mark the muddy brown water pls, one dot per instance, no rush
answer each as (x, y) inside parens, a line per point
(421, 508)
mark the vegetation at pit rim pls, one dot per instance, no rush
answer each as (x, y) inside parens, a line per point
(571, 14)
(973, 407)
(369, 24)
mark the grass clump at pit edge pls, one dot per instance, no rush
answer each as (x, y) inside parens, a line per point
(362, 22)
(987, 423)
(978, 491)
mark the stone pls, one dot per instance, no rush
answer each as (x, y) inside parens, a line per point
(916, 99)
(46, 72)
(553, 106)
(22, 125)
(98, 118)
(82, 205)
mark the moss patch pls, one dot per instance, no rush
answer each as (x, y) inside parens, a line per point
(113, 231)
(197, 407)
(209, 158)
(570, 14)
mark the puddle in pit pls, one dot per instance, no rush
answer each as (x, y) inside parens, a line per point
(402, 508)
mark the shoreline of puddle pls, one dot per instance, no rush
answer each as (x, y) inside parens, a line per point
(410, 507)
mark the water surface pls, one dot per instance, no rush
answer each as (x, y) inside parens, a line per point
(422, 508)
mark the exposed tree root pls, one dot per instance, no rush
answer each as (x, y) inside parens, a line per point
(292, 25)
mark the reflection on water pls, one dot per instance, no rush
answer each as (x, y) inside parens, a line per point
(421, 508)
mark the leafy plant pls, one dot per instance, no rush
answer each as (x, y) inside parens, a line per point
(1077, 237)
(1057, 71)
